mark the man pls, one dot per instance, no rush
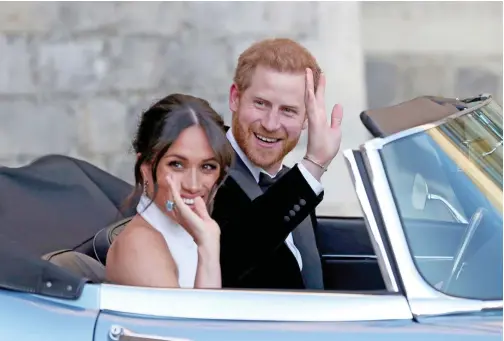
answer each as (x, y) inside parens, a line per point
(267, 237)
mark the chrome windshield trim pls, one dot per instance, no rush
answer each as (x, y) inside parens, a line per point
(417, 290)
(243, 305)
(374, 257)
(448, 305)
(371, 224)
(379, 142)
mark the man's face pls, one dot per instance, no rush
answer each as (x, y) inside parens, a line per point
(268, 116)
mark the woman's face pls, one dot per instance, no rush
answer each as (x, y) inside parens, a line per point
(191, 163)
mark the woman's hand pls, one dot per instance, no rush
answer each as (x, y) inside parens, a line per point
(197, 222)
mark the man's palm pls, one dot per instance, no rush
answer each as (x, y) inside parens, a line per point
(324, 139)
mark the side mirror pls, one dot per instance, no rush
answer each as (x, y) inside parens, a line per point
(420, 192)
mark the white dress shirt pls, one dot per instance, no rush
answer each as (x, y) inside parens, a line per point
(256, 171)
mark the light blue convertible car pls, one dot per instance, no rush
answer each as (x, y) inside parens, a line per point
(423, 263)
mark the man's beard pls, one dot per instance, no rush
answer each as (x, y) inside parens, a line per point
(242, 138)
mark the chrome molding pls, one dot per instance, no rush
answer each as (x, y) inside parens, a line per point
(371, 224)
(423, 298)
(252, 305)
(447, 258)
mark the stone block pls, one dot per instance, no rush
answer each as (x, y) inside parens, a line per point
(381, 82)
(28, 16)
(426, 76)
(16, 74)
(134, 63)
(122, 166)
(220, 19)
(471, 81)
(28, 128)
(157, 18)
(199, 66)
(295, 20)
(72, 66)
(102, 126)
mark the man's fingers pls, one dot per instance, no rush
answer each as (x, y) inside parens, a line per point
(320, 94)
(309, 94)
(336, 116)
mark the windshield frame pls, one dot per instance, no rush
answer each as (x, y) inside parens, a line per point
(423, 298)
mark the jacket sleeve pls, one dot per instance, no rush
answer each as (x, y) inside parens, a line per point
(252, 230)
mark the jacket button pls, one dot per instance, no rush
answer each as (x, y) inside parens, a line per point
(297, 208)
(302, 202)
(286, 219)
(292, 213)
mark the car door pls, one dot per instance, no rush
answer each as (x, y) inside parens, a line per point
(348, 259)
(143, 314)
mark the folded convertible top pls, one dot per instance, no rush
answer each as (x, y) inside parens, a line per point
(386, 121)
(58, 202)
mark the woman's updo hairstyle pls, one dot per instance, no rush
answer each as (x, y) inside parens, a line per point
(162, 124)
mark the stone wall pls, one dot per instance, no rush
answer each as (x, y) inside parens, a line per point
(74, 76)
(437, 48)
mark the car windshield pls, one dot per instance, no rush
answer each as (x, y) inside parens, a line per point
(447, 185)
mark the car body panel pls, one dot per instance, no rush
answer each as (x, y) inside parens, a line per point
(205, 330)
(28, 317)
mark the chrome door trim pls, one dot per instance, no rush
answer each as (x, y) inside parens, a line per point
(253, 305)
(423, 298)
(372, 226)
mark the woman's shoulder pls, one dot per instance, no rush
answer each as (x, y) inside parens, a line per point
(138, 235)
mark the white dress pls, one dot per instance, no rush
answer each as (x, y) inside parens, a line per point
(182, 246)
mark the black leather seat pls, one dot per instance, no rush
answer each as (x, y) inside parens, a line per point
(104, 238)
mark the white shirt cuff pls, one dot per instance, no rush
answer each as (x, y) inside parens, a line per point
(314, 184)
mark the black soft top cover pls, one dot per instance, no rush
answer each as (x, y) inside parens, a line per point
(58, 202)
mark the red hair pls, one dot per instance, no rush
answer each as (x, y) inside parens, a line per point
(279, 54)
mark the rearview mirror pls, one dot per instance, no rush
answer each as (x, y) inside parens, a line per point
(420, 195)
(420, 192)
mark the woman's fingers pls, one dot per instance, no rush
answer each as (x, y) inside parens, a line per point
(200, 208)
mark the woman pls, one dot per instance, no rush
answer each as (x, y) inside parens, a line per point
(182, 157)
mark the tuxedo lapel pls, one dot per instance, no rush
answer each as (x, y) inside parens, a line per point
(241, 174)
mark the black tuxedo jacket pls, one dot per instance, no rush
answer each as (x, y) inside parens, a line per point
(253, 230)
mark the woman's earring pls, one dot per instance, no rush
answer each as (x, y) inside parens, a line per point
(145, 187)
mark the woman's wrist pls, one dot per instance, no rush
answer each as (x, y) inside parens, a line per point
(209, 252)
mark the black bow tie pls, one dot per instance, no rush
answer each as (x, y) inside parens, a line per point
(265, 181)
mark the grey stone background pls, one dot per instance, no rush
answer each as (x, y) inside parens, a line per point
(74, 76)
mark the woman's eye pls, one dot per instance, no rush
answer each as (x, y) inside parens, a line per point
(175, 164)
(209, 167)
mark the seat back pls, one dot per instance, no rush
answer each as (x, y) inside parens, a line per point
(78, 264)
(104, 238)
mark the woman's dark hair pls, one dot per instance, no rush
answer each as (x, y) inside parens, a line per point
(162, 124)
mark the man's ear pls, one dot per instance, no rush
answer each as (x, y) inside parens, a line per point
(234, 98)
